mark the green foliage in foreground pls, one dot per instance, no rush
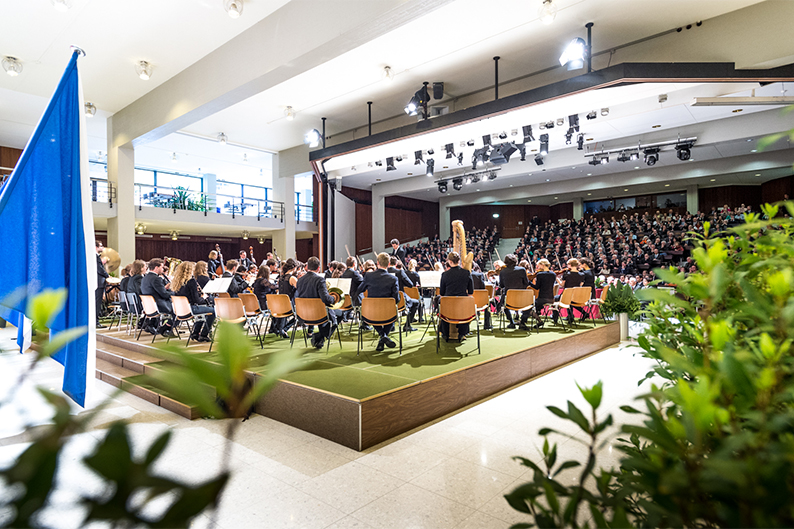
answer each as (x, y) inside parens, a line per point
(713, 443)
(620, 298)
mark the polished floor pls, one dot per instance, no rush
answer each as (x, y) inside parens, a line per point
(449, 474)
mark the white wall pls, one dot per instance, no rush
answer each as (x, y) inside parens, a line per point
(344, 227)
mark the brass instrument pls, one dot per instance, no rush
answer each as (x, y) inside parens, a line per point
(113, 259)
(172, 263)
(459, 244)
(337, 294)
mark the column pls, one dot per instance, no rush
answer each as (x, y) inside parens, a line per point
(692, 200)
(121, 174)
(378, 220)
(284, 191)
(210, 190)
(578, 208)
(444, 222)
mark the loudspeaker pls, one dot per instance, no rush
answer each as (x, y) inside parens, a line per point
(502, 152)
(438, 90)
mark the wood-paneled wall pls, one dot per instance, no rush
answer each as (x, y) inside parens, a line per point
(9, 157)
(513, 219)
(776, 190)
(733, 196)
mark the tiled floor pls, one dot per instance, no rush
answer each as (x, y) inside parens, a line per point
(449, 474)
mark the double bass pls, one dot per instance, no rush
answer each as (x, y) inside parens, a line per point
(219, 269)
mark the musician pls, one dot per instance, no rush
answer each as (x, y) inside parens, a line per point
(570, 279)
(356, 279)
(238, 284)
(456, 281)
(479, 281)
(380, 283)
(200, 272)
(412, 273)
(244, 260)
(125, 278)
(137, 269)
(544, 283)
(513, 277)
(153, 285)
(185, 284)
(402, 279)
(214, 262)
(273, 269)
(288, 279)
(397, 250)
(101, 279)
(312, 285)
(329, 272)
(588, 276)
(263, 286)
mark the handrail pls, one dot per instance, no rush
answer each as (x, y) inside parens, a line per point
(102, 191)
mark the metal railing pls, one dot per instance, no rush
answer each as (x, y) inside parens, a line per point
(304, 213)
(102, 191)
(184, 199)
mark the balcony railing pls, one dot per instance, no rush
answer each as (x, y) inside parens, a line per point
(304, 213)
(184, 199)
(102, 191)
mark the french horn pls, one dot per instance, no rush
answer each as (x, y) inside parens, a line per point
(337, 294)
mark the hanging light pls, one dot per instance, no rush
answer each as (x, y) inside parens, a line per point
(574, 54)
(12, 66)
(173, 157)
(144, 70)
(289, 113)
(245, 235)
(431, 163)
(234, 8)
(245, 157)
(388, 74)
(312, 138)
(62, 5)
(547, 12)
(90, 110)
(174, 235)
(222, 138)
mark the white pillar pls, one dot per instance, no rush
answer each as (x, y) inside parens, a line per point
(121, 174)
(444, 222)
(210, 189)
(578, 208)
(692, 201)
(284, 191)
(378, 220)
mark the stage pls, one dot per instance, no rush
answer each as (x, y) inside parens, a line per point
(361, 401)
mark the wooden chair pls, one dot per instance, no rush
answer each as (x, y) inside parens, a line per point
(518, 300)
(597, 302)
(184, 314)
(224, 295)
(311, 311)
(253, 314)
(413, 293)
(489, 288)
(348, 306)
(150, 312)
(457, 310)
(580, 299)
(379, 311)
(564, 303)
(230, 310)
(481, 301)
(279, 307)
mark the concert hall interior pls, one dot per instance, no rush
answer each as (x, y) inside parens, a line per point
(243, 149)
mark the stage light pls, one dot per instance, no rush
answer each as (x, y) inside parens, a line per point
(144, 70)
(412, 108)
(635, 155)
(542, 126)
(547, 12)
(502, 135)
(527, 129)
(522, 150)
(431, 163)
(574, 54)
(460, 158)
(222, 138)
(623, 157)
(457, 184)
(592, 115)
(544, 144)
(419, 100)
(399, 159)
(289, 113)
(651, 156)
(580, 142)
(12, 66)
(234, 8)
(486, 140)
(417, 157)
(378, 163)
(313, 138)
(683, 151)
(470, 143)
(442, 187)
(479, 157)
(569, 136)
(604, 160)
(390, 164)
(90, 110)
(492, 175)
(474, 179)
(467, 180)
(573, 122)
(549, 124)
(539, 159)
(430, 152)
(450, 148)
(502, 152)
(594, 161)
(604, 111)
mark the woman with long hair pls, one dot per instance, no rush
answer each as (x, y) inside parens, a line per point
(184, 284)
(201, 274)
(262, 286)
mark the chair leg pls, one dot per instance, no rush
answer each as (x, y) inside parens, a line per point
(400, 331)
(358, 339)
(479, 351)
(338, 337)
(292, 337)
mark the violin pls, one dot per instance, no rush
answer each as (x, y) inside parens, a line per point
(251, 254)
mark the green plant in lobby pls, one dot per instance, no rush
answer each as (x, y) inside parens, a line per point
(713, 445)
(620, 299)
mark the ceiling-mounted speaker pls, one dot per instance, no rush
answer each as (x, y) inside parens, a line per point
(438, 90)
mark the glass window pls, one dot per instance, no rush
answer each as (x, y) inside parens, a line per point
(144, 176)
(229, 189)
(625, 204)
(170, 180)
(597, 206)
(671, 200)
(98, 170)
(255, 192)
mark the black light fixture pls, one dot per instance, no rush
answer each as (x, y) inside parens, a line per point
(569, 136)
(378, 163)
(502, 152)
(419, 102)
(580, 142)
(594, 161)
(492, 175)
(522, 150)
(651, 156)
(527, 129)
(457, 184)
(460, 158)
(417, 157)
(486, 140)
(450, 148)
(544, 144)
(430, 166)
(573, 122)
(470, 143)
(549, 124)
(442, 187)
(539, 159)
(474, 178)
(430, 152)
(592, 114)
(623, 157)
(503, 135)
(479, 157)
(683, 151)
(390, 164)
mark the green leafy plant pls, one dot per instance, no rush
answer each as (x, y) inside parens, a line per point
(620, 298)
(712, 443)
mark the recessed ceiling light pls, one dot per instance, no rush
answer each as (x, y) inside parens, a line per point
(625, 190)
(589, 139)
(754, 150)
(637, 167)
(656, 126)
(691, 159)
(478, 190)
(555, 198)
(511, 185)
(589, 194)
(547, 179)
(757, 174)
(529, 201)
(667, 185)
(750, 139)
(713, 180)
(573, 167)
(736, 110)
(377, 179)
(410, 174)
(589, 174)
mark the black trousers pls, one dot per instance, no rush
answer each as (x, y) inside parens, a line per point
(100, 291)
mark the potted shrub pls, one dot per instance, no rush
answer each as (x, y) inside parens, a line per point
(621, 301)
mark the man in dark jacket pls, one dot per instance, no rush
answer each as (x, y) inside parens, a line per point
(101, 278)
(513, 277)
(154, 285)
(456, 281)
(402, 282)
(312, 285)
(238, 284)
(355, 278)
(381, 284)
(398, 251)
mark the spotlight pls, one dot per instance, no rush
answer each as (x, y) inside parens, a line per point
(623, 157)
(313, 138)
(450, 150)
(651, 156)
(430, 152)
(289, 113)
(457, 184)
(486, 140)
(605, 159)
(234, 8)
(388, 75)
(547, 12)
(399, 159)
(573, 122)
(144, 70)
(468, 180)
(549, 124)
(634, 156)
(419, 100)
(569, 136)
(574, 54)
(390, 164)
(417, 157)
(222, 138)
(470, 143)
(12, 66)
(604, 111)
(594, 161)
(460, 158)
(492, 175)
(430, 166)
(683, 151)
(522, 150)
(544, 144)
(527, 129)
(542, 126)
(580, 142)
(592, 114)
(502, 135)
(379, 163)
(442, 187)
(539, 159)
(474, 178)
(90, 110)
(479, 157)
(502, 152)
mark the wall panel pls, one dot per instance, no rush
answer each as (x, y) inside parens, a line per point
(733, 196)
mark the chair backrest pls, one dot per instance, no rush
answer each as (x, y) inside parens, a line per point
(489, 288)
(224, 295)
(181, 306)
(229, 309)
(279, 305)
(581, 295)
(401, 303)
(125, 306)
(132, 301)
(250, 303)
(556, 289)
(519, 299)
(311, 310)
(481, 298)
(348, 303)
(411, 292)
(456, 308)
(567, 296)
(380, 310)
(149, 305)
(604, 293)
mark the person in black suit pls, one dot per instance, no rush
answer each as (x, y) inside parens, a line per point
(154, 285)
(479, 281)
(398, 251)
(355, 277)
(238, 284)
(244, 260)
(312, 285)
(402, 282)
(101, 278)
(455, 281)
(380, 283)
(544, 284)
(513, 277)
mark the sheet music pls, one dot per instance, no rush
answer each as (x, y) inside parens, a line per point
(340, 282)
(216, 286)
(430, 279)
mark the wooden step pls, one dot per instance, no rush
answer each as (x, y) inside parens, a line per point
(129, 359)
(112, 373)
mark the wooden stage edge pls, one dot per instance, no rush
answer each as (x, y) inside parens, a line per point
(361, 424)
